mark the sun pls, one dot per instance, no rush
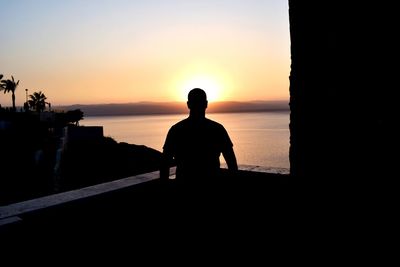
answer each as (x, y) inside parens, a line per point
(212, 88)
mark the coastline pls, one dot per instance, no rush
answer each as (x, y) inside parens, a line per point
(170, 108)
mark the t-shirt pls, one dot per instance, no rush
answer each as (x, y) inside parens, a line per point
(196, 146)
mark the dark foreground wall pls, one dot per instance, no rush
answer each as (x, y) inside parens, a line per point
(342, 92)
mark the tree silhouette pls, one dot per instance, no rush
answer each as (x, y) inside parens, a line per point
(74, 116)
(37, 101)
(10, 86)
(69, 117)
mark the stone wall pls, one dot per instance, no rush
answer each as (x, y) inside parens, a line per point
(342, 95)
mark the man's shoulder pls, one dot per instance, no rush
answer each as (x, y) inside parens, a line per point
(179, 124)
(189, 123)
(214, 123)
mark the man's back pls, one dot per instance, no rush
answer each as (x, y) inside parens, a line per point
(196, 145)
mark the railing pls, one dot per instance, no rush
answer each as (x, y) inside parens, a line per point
(12, 213)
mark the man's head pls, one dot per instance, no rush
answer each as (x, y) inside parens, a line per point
(197, 100)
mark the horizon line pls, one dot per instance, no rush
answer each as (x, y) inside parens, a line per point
(170, 102)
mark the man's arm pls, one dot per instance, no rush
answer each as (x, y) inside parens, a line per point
(167, 157)
(230, 159)
(166, 161)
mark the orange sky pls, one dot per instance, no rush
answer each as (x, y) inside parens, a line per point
(129, 51)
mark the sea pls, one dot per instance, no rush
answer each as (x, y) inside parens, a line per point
(259, 138)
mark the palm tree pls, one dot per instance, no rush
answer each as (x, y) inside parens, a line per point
(37, 101)
(10, 86)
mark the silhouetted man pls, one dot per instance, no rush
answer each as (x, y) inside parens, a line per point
(196, 143)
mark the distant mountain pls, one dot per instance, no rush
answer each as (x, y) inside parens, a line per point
(153, 108)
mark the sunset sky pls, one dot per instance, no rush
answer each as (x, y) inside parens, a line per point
(120, 51)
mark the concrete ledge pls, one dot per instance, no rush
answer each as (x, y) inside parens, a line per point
(12, 213)
(9, 220)
(272, 170)
(262, 169)
(16, 209)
